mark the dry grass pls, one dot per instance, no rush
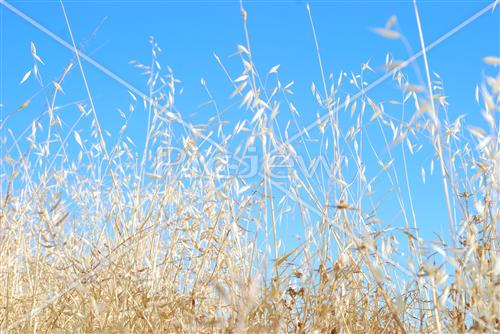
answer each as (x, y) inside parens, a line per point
(168, 238)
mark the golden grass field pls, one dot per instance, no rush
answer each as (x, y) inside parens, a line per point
(103, 238)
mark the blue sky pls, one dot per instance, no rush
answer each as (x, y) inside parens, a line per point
(189, 32)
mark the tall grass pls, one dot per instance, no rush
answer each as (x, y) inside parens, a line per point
(100, 235)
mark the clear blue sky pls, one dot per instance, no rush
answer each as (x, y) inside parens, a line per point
(189, 32)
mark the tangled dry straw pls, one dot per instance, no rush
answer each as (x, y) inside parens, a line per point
(168, 238)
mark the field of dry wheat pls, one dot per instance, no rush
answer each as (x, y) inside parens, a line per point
(99, 235)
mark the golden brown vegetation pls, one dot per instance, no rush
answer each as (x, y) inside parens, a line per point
(168, 239)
